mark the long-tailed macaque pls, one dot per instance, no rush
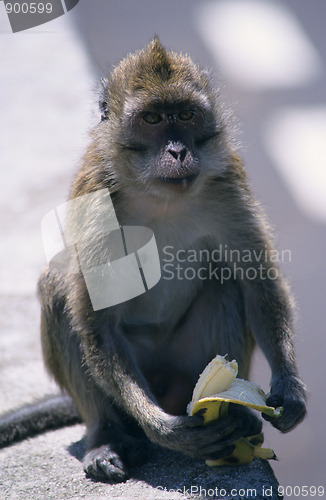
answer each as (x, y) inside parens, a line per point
(163, 150)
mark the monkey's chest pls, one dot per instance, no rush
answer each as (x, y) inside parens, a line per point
(163, 305)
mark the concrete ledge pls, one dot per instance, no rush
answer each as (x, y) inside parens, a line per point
(45, 468)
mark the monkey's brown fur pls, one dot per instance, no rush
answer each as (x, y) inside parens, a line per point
(163, 150)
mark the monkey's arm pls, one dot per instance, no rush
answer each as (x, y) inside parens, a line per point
(268, 312)
(115, 370)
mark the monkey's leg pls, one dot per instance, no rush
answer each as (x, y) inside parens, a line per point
(111, 449)
(111, 445)
(113, 441)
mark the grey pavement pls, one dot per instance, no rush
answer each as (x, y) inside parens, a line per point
(48, 102)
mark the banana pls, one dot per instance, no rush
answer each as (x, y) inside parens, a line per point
(216, 377)
(218, 386)
(245, 450)
(240, 392)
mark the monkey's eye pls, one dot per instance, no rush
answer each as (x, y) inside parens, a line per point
(152, 118)
(186, 115)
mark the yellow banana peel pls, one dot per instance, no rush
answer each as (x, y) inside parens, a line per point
(218, 386)
(245, 450)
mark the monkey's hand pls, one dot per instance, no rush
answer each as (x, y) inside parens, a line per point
(215, 440)
(289, 392)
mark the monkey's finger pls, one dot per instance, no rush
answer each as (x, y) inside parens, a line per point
(246, 419)
(270, 419)
(196, 420)
(217, 443)
(252, 425)
(275, 400)
(246, 423)
(218, 431)
(237, 433)
(201, 412)
(293, 413)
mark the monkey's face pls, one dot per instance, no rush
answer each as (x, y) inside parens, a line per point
(166, 148)
(169, 134)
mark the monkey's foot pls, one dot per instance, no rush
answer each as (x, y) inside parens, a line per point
(104, 464)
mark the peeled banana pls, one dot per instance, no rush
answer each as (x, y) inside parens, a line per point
(218, 386)
(217, 377)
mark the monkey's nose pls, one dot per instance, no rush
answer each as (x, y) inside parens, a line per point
(178, 151)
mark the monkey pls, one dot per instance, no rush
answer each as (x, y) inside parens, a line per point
(164, 151)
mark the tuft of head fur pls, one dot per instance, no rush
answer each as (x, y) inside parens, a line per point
(155, 75)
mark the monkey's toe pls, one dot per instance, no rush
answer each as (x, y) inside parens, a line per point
(103, 464)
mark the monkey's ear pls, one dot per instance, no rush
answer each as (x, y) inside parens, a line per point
(104, 108)
(103, 102)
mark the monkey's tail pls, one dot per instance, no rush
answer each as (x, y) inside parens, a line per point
(50, 412)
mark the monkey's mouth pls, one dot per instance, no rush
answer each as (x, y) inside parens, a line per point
(179, 182)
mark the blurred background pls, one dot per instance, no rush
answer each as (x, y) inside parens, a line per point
(269, 58)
